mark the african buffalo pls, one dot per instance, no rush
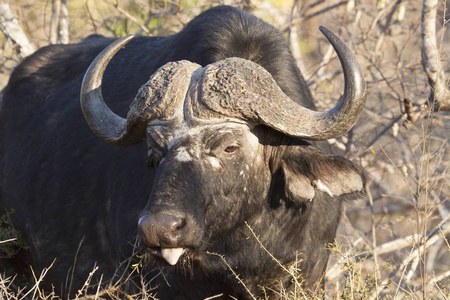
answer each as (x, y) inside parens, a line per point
(226, 117)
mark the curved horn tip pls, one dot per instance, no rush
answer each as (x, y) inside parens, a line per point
(128, 37)
(122, 41)
(325, 29)
(92, 77)
(331, 36)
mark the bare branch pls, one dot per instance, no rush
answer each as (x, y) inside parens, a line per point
(130, 17)
(8, 240)
(63, 33)
(301, 18)
(13, 32)
(379, 135)
(440, 277)
(59, 23)
(54, 22)
(439, 94)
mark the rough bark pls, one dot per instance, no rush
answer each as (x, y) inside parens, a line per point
(63, 35)
(13, 32)
(54, 22)
(59, 23)
(431, 54)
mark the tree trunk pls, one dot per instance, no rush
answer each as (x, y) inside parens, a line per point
(431, 57)
(13, 32)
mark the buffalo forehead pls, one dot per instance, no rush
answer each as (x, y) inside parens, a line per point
(183, 99)
(188, 140)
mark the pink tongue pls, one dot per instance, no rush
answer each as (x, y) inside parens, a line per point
(171, 255)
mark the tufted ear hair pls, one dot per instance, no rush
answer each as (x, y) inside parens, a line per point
(306, 170)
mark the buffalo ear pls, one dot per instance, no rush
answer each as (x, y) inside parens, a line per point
(307, 173)
(297, 185)
(338, 176)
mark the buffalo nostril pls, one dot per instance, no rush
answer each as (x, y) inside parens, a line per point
(161, 230)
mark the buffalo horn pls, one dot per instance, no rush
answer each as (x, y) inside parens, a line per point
(288, 117)
(102, 121)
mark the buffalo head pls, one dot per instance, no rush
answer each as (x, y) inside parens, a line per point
(220, 136)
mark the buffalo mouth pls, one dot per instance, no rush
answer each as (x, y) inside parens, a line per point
(176, 257)
(170, 255)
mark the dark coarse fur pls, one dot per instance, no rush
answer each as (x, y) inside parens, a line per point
(78, 199)
(295, 230)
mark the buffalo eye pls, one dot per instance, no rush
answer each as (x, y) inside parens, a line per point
(231, 149)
